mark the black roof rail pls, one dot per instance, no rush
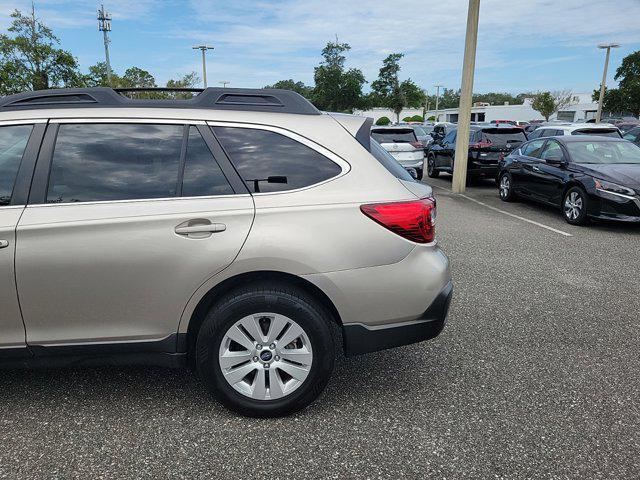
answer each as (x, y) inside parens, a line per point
(241, 99)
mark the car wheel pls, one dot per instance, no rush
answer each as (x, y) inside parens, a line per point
(419, 173)
(505, 187)
(574, 206)
(432, 171)
(266, 351)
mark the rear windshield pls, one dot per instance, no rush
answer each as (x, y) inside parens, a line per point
(419, 131)
(601, 132)
(388, 162)
(503, 136)
(394, 136)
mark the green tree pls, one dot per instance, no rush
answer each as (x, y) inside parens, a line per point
(383, 121)
(336, 88)
(413, 94)
(31, 60)
(97, 76)
(386, 90)
(298, 87)
(548, 103)
(190, 80)
(628, 77)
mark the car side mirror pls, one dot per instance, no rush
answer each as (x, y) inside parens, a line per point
(555, 160)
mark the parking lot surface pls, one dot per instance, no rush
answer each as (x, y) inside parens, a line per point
(535, 376)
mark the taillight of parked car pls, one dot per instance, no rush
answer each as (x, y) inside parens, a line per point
(415, 220)
(479, 145)
(417, 144)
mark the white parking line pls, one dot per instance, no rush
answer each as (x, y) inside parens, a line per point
(538, 224)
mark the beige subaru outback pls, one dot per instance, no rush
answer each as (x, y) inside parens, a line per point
(229, 232)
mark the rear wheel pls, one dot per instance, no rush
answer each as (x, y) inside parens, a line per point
(266, 351)
(505, 187)
(574, 206)
(432, 171)
(419, 173)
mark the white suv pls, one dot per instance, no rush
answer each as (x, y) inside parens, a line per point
(230, 232)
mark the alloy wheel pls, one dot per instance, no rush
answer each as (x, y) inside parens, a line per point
(573, 205)
(505, 186)
(265, 356)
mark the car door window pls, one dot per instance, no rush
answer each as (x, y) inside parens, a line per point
(533, 149)
(13, 141)
(202, 174)
(113, 161)
(260, 154)
(553, 149)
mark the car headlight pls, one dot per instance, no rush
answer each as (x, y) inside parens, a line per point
(614, 188)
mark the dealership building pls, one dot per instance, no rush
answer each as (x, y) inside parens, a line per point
(581, 108)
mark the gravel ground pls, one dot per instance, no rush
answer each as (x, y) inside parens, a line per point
(535, 376)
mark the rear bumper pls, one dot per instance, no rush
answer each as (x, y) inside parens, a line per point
(359, 338)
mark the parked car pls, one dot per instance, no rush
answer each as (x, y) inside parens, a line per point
(441, 129)
(552, 130)
(402, 143)
(626, 126)
(633, 135)
(586, 176)
(224, 232)
(504, 122)
(487, 145)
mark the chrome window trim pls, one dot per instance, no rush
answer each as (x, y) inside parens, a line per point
(10, 207)
(8, 123)
(161, 121)
(343, 164)
(136, 200)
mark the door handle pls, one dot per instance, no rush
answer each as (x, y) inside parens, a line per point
(4, 243)
(207, 228)
(536, 169)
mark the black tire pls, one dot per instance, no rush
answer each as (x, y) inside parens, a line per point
(285, 300)
(419, 173)
(506, 194)
(574, 206)
(432, 171)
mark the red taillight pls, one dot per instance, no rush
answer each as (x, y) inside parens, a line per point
(417, 144)
(480, 145)
(414, 220)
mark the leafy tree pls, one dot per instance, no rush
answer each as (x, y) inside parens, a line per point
(298, 87)
(548, 103)
(337, 89)
(190, 80)
(413, 94)
(30, 59)
(386, 90)
(97, 76)
(497, 98)
(627, 99)
(383, 121)
(417, 118)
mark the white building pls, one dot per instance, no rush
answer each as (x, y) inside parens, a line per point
(582, 108)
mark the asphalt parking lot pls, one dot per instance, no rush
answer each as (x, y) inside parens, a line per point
(535, 376)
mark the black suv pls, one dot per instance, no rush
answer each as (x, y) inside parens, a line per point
(487, 145)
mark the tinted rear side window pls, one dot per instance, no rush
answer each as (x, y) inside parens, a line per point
(13, 141)
(388, 162)
(202, 174)
(260, 154)
(101, 162)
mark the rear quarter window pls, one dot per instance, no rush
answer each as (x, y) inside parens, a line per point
(388, 162)
(259, 154)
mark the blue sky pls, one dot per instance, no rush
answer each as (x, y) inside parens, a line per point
(523, 45)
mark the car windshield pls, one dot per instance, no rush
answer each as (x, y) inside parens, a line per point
(394, 135)
(503, 136)
(601, 132)
(595, 152)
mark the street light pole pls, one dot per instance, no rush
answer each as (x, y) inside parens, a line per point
(104, 25)
(437, 99)
(608, 47)
(466, 94)
(204, 49)
(224, 83)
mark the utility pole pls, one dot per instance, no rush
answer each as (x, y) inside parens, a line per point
(224, 83)
(466, 94)
(437, 99)
(608, 47)
(204, 49)
(104, 26)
